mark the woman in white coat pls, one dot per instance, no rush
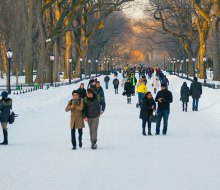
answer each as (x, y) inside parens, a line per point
(155, 83)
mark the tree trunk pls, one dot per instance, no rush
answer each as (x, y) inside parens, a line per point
(28, 59)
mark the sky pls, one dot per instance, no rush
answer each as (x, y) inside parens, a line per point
(135, 9)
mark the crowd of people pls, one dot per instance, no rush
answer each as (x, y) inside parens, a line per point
(87, 105)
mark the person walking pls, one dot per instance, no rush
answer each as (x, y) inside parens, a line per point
(148, 106)
(128, 90)
(116, 84)
(106, 80)
(155, 83)
(5, 109)
(99, 91)
(75, 105)
(184, 96)
(133, 81)
(141, 90)
(165, 80)
(82, 91)
(195, 92)
(94, 107)
(164, 98)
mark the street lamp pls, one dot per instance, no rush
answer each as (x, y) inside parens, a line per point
(51, 70)
(9, 56)
(80, 72)
(70, 66)
(178, 67)
(204, 68)
(182, 66)
(96, 66)
(171, 66)
(89, 61)
(194, 70)
(187, 68)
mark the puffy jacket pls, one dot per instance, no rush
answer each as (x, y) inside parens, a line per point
(5, 107)
(93, 106)
(100, 92)
(142, 88)
(82, 92)
(146, 108)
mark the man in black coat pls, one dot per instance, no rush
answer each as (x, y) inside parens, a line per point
(164, 97)
(128, 90)
(82, 91)
(94, 106)
(116, 84)
(195, 92)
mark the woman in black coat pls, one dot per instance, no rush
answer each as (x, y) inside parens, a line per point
(128, 90)
(5, 108)
(184, 93)
(148, 106)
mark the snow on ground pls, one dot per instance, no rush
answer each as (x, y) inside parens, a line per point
(39, 156)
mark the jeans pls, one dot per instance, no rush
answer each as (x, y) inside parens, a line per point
(195, 104)
(106, 85)
(73, 136)
(140, 98)
(144, 122)
(165, 115)
(116, 90)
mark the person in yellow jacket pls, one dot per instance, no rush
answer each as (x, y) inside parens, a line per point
(141, 90)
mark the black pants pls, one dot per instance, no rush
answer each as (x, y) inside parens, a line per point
(129, 98)
(185, 104)
(73, 136)
(144, 123)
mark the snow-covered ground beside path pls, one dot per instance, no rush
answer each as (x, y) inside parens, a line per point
(39, 156)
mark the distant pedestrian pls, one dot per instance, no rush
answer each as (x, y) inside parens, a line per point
(5, 109)
(116, 84)
(184, 96)
(75, 105)
(165, 80)
(155, 83)
(195, 92)
(164, 97)
(106, 80)
(128, 90)
(99, 91)
(94, 106)
(133, 81)
(92, 83)
(141, 90)
(82, 91)
(148, 105)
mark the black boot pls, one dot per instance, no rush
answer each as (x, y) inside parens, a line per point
(5, 134)
(143, 131)
(185, 109)
(149, 131)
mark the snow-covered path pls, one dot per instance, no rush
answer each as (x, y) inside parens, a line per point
(39, 156)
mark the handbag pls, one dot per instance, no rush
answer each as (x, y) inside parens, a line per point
(124, 93)
(12, 117)
(153, 118)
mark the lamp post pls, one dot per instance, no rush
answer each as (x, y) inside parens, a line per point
(174, 69)
(51, 70)
(80, 68)
(70, 66)
(100, 67)
(178, 67)
(182, 66)
(9, 56)
(96, 66)
(194, 70)
(187, 68)
(89, 61)
(171, 67)
(204, 69)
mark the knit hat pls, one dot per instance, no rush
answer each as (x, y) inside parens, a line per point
(164, 85)
(91, 91)
(4, 94)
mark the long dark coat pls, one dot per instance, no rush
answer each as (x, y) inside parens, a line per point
(5, 107)
(196, 90)
(184, 93)
(128, 88)
(146, 108)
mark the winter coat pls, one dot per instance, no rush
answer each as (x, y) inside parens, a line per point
(106, 79)
(93, 106)
(92, 83)
(167, 99)
(155, 83)
(128, 88)
(184, 93)
(146, 108)
(100, 92)
(133, 80)
(5, 107)
(76, 120)
(196, 90)
(116, 83)
(165, 81)
(82, 92)
(142, 88)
